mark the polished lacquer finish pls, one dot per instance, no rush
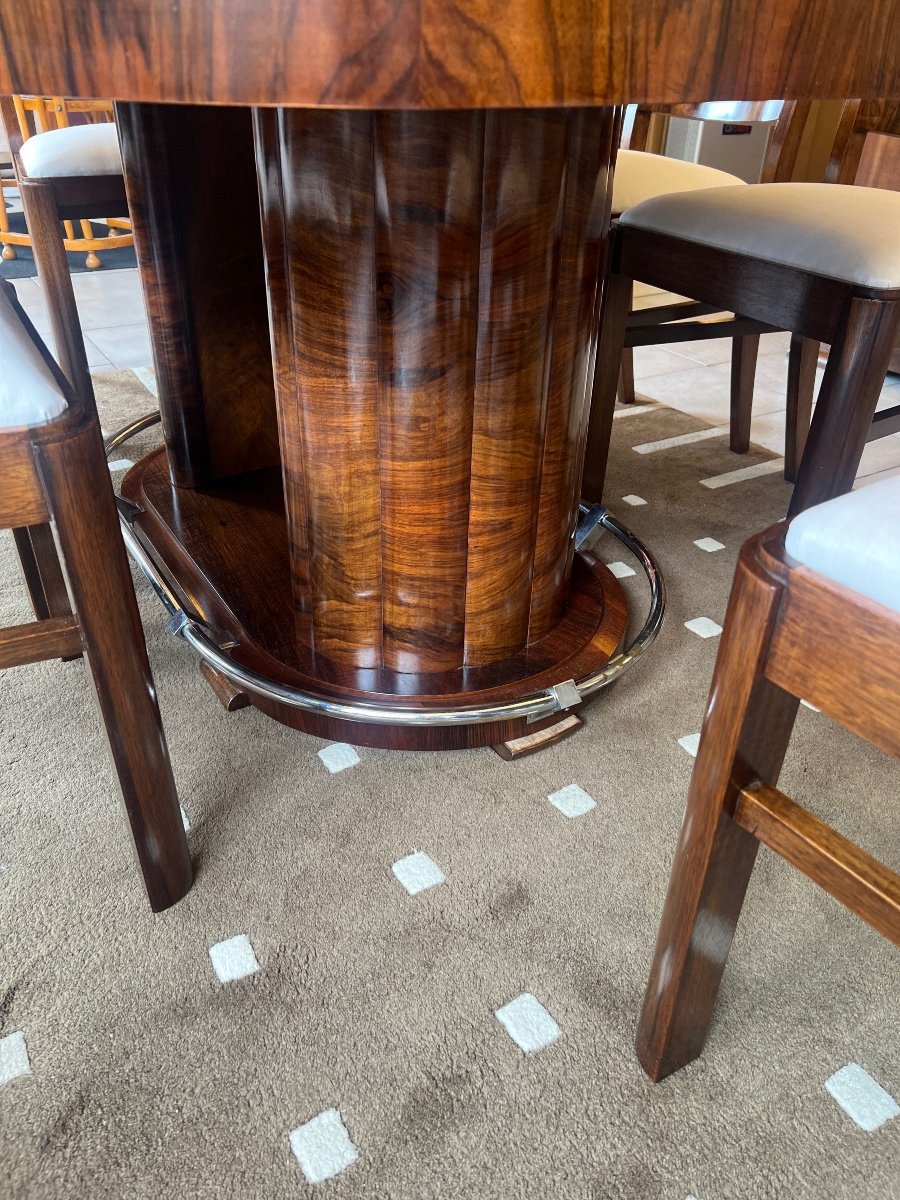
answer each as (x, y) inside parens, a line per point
(434, 283)
(382, 500)
(437, 54)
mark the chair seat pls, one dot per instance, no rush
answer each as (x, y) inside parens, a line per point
(76, 150)
(640, 176)
(851, 234)
(29, 393)
(854, 540)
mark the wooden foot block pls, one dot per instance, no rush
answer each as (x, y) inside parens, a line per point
(541, 738)
(231, 698)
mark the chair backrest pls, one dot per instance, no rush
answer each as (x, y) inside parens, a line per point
(33, 390)
(859, 121)
(789, 117)
(24, 116)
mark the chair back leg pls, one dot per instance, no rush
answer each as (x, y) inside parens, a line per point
(72, 469)
(43, 573)
(744, 353)
(803, 358)
(53, 270)
(613, 316)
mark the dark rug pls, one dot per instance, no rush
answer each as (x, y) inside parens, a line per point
(23, 267)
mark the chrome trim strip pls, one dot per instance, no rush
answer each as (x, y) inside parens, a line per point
(531, 708)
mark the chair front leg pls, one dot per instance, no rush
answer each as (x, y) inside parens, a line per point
(744, 353)
(854, 375)
(744, 738)
(79, 494)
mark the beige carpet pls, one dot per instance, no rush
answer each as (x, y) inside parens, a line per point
(151, 1078)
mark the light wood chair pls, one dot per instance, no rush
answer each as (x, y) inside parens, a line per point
(814, 613)
(65, 174)
(53, 468)
(639, 176)
(820, 260)
(26, 116)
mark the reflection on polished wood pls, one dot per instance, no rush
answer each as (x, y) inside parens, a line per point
(434, 283)
(226, 551)
(191, 190)
(434, 289)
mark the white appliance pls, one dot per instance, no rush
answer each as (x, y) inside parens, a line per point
(734, 146)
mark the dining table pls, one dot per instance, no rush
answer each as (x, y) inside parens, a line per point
(372, 237)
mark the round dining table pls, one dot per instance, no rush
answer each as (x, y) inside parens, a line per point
(372, 240)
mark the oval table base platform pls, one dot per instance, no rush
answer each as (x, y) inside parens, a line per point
(224, 553)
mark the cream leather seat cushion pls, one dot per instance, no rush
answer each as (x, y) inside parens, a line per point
(854, 540)
(29, 392)
(640, 175)
(78, 150)
(846, 233)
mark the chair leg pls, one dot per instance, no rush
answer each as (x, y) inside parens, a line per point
(53, 270)
(74, 474)
(613, 315)
(744, 353)
(626, 393)
(43, 574)
(801, 382)
(745, 735)
(857, 364)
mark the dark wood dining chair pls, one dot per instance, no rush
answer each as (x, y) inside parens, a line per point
(66, 174)
(821, 260)
(814, 613)
(639, 176)
(865, 151)
(53, 468)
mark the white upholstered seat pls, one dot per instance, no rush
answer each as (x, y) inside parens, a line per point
(847, 233)
(854, 540)
(29, 392)
(76, 150)
(639, 176)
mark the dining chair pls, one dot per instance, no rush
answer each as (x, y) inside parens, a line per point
(53, 468)
(661, 319)
(27, 116)
(814, 612)
(65, 174)
(821, 260)
(865, 151)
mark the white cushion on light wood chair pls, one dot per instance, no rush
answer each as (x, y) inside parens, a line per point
(842, 232)
(77, 150)
(640, 175)
(29, 392)
(854, 540)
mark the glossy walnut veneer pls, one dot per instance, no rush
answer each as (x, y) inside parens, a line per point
(430, 54)
(225, 549)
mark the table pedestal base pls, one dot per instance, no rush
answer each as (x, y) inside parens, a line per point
(225, 551)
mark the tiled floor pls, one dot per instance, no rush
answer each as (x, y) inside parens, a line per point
(691, 377)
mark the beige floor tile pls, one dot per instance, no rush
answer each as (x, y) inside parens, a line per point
(124, 346)
(704, 392)
(658, 360)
